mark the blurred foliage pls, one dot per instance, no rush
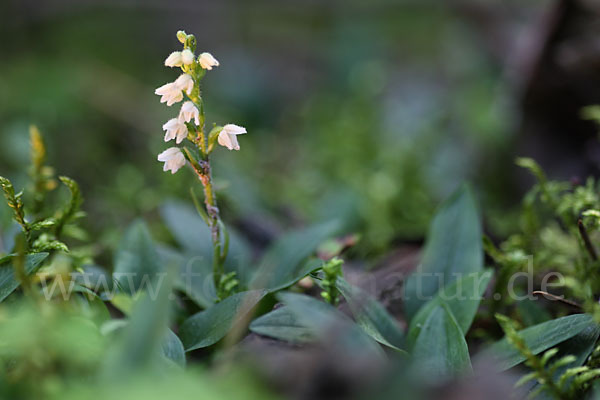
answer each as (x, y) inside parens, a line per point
(372, 119)
(368, 117)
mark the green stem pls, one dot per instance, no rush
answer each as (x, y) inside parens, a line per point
(203, 170)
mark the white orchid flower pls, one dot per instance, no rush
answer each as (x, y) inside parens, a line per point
(175, 129)
(174, 60)
(228, 136)
(187, 57)
(189, 112)
(185, 82)
(170, 92)
(207, 61)
(173, 159)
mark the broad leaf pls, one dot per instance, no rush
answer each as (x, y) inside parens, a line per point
(172, 348)
(211, 325)
(8, 281)
(189, 230)
(538, 338)
(532, 313)
(136, 261)
(323, 319)
(462, 298)
(372, 316)
(283, 264)
(282, 324)
(440, 350)
(580, 346)
(453, 248)
(95, 278)
(193, 235)
(194, 277)
(141, 342)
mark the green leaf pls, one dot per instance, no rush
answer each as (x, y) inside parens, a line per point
(538, 338)
(194, 278)
(8, 281)
(50, 245)
(187, 227)
(141, 342)
(69, 213)
(211, 325)
(95, 278)
(372, 316)
(532, 313)
(454, 248)
(580, 346)
(46, 223)
(283, 264)
(462, 298)
(440, 350)
(172, 348)
(282, 324)
(193, 235)
(136, 261)
(323, 319)
(91, 306)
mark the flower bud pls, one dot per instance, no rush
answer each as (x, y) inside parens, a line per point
(181, 36)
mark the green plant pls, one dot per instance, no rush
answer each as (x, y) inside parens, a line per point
(552, 375)
(189, 126)
(332, 270)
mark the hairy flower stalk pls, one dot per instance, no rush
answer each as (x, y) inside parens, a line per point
(190, 125)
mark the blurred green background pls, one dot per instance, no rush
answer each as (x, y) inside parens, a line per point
(372, 111)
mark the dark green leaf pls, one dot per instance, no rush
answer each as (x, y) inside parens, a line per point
(580, 346)
(462, 298)
(187, 227)
(8, 281)
(95, 278)
(172, 348)
(194, 278)
(211, 325)
(283, 264)
(323, 319)
(282, 324)
(193, 235)
(454, 248)
(538, 338)
(532, 313)
(440, 350)
(372, 315)
(141, 342)
(136, 261)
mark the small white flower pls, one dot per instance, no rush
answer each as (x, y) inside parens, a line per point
(175, 129)
(189, 112)
(170, 92)
(174, 60)
(187, 57)
(207, 61)
(228, 136)
(173, 159)
(185, 82)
